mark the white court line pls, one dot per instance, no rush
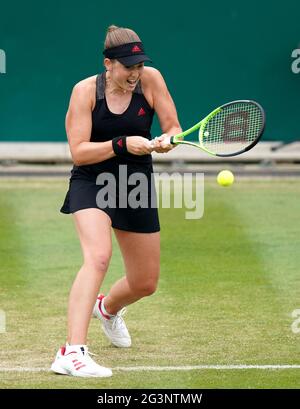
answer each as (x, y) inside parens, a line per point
(202, 367)
(167, 368)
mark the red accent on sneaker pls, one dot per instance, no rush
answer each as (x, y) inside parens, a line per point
(79, 367)
(78, 364)
(120, 143)
(63, 350)
(141, 112)
(100, 298)
(72, 352)
(136, 49)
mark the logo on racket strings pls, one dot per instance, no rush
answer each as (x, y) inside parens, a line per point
(236, 125)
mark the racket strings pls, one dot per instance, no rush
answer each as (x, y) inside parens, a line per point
(233, 128)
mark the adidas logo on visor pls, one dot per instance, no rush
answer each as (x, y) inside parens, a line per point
(136, 49)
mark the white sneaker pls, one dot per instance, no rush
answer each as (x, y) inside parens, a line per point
(114, 327)
(75, 360)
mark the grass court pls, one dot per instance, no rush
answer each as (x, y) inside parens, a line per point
(229, 284)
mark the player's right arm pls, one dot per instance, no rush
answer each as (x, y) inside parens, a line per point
(79, 127)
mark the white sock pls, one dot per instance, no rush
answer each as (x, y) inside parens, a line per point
(77, 348)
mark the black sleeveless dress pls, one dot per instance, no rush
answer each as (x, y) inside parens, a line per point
(122, 187)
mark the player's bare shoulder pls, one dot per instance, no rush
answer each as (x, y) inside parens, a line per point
(152, 81)
(85, 90)
(151, 76)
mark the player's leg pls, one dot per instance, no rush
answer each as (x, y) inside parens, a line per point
(141, 254)
(94, 230)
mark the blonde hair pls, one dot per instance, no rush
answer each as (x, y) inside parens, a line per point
(119, 35)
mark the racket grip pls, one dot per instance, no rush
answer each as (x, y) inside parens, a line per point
(172, 140)
(152, 143)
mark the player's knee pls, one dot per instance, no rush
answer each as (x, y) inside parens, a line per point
(102, 262)
(144, 289)
(99, 262)
(150, 288)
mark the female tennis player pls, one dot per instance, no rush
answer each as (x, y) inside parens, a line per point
(108, 127)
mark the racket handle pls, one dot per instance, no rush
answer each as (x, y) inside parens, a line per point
(152, 143)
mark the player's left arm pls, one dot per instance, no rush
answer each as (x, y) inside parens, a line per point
(165, 109)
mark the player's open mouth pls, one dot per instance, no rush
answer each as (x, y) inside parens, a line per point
(132, 82)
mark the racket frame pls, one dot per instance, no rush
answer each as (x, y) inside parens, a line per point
(178, 139)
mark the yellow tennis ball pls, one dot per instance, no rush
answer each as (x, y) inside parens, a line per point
(225, 178)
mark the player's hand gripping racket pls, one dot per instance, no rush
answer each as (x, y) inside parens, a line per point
(229, 130)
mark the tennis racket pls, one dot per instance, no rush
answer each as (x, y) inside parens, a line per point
(228, 130)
